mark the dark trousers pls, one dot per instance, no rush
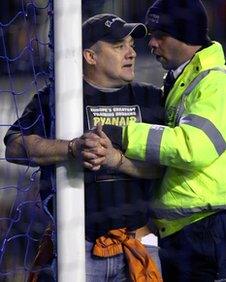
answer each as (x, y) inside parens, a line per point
(197, 252)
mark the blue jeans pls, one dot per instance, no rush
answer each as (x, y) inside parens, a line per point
(112, 268)
(197, 253)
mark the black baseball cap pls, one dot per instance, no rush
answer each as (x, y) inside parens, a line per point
(109, 28)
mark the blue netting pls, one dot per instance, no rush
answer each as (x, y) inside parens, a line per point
(25, 67)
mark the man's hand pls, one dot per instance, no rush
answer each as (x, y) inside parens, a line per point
(98, 150)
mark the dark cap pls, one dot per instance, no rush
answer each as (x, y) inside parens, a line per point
(185, 20)
(109, 28)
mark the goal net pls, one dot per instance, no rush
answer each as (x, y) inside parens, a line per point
(26, 48)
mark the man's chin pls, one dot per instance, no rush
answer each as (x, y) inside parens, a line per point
(163, 62)
(128, 78)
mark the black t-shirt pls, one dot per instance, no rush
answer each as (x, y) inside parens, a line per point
(119, 200)
(112, 200)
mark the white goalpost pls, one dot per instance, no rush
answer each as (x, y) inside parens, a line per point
(69, 124)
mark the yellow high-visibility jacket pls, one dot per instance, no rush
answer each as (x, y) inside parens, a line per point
(192, 145)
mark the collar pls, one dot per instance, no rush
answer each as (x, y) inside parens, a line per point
(179, 70)
(100, 88)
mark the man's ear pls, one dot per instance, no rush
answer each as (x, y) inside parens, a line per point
(90, 56)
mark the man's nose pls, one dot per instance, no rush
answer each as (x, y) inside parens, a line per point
(153, 43)
(131, 53)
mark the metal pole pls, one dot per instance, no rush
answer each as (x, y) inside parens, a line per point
(69, 124)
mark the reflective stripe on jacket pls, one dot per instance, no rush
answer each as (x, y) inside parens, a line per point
(192, 145)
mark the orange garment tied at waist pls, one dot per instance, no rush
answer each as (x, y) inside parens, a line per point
(44, 256)
(141, 266)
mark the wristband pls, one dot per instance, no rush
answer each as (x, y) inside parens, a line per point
(71, 146)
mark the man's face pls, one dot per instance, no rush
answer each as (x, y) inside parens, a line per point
(115, 62)
(167, 50)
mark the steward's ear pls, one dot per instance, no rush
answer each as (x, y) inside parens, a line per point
(89, 56)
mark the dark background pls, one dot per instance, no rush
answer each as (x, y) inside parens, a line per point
(130, 10)
(147, 69)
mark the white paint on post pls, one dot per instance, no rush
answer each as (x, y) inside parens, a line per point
(69, 124)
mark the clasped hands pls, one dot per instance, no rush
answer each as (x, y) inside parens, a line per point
(97, 150)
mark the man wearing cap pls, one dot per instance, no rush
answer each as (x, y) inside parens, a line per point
(189, 206)
(114, 200)
(116, 204)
